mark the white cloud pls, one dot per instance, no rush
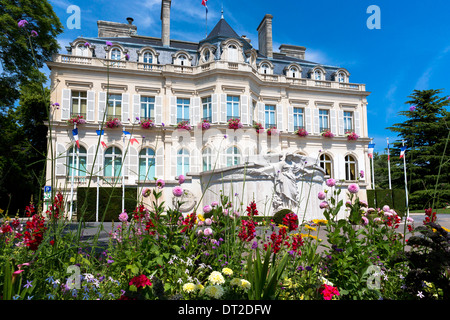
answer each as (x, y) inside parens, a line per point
(423, 82)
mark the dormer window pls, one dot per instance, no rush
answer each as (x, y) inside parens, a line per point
(318, 75)
(207, 55)
(81, 50)
(147, 57)
(232, 53)
(341, 77)
(182, 59)
(265, 68)
(116, 54)
(293, 71)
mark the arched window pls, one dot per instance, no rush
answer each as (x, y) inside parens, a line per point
(350, 168)
(182, 59)
(265, 68)
(207, 159)
(147, 57)
(233, 156)
(326, 164)
(76, 161)
(318, 75)
(116, 54)
(147, 164)
(294, 73)
(232, 53)
(341, 77)
(182, 162)
(206, 55)
(113, 162)
(81, 50)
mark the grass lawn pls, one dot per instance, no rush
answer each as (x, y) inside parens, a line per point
(440, 210)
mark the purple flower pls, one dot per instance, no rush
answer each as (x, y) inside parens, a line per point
(412, 108)
(353, 188)
(177, 191)
(255, 245)
(207, 208)
(331, 182)
(123, 216)
(87, 44)
(365, 221)
(160, 183)
(34, 34)
(321, 195)
(214, 203)
(146, 192)
(323, 205)
(181, 179)
(109, 43)
(22, 23)
(207, 232)
(361, 174)
(56, 104)
(127, 56)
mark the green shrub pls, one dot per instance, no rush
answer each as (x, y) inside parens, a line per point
(279, 215)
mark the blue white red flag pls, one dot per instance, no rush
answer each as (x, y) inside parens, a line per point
(132, 139)
(204, 4)
(402, 152)
(371, 146)
(101, 133)
(75, 137)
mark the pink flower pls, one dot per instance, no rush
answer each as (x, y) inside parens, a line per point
(331, 182)
(145, 192)
(365, 221)
(353, 188)
(214, 203)
(412, 108)
(22, 23)
(123, 216)
(207, 232)
(181, 179)
(361, 174)
(321, 195)
(323, 205)
(207, 208)
(109, 43)
(208, 221)
(87, 44)
(34, 34)
(160, 183)
(386, 208)
(177, 191)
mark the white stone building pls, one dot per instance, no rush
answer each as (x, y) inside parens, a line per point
(121, 74)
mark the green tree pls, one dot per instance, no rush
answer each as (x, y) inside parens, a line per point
(426, 135)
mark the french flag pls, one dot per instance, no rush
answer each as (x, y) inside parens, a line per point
(75, 137)
(371, 146)
(101, 133)
(402, 152)
(204, 4)
(132, 139)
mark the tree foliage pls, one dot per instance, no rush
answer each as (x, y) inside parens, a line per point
(425, 133)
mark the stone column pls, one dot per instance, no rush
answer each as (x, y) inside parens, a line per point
(165, 22)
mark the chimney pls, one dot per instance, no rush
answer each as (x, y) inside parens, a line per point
(264, 29)
(293, 51)
(165, 22)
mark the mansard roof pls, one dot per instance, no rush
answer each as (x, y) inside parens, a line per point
(223, 30)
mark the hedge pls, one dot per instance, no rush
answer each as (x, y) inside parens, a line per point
(110, 203)
(395, 199)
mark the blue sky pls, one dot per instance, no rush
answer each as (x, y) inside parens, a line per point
(411, 50)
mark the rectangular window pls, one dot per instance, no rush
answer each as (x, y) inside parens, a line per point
(270, 116)
(147, 108)
(114, 106)
(232, 107)
(79, 102)
(298, 118)
(183, 109)
(348, 121)
(323, 120)
(207, 111)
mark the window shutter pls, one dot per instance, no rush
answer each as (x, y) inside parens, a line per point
(125, 107)
(61, 160)
(333, 121)
(133, 161)
(101, 106)
(158, 110)
(261, 113)
(280, 117)
(65, 104)
(173, 163)
(316, 121)
(223, 108)
(136, 106)
(244, 110)
(215, 108)
(341, 122)
(159, 168)
(173, 110)
(357, 123)
(90, 106)
(195, 111)
(290, 118)
(308, 120)
(90, 161)
(196, 160)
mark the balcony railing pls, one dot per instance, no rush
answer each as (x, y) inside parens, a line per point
(219, 64)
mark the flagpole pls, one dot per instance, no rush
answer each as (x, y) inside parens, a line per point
(72, 177)
(123, 176)
(406, 182)
(389, 164)
(98, 182)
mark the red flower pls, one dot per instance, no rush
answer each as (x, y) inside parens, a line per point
(430, 216)
(189, 222)
(328, 291)
(140, 281)
(251, 209)
(290, 220)
(248, 231)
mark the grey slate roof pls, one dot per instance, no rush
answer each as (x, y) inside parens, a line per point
(222, 29)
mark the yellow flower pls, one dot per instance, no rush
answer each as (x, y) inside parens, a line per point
(320, 221)
(310, 228)
(200, 217)
(448, 230)
(245, 284)
(189, 287)
(235, 282)
(1, 211)
(216, 278)
(214, 291)
(199, 287)
(227, 271)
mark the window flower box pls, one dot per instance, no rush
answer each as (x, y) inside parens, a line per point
(113, 123)
(272, 131)
(351, 136)
(76, 119)
(204, 125)
(327, 134)
(184, 125)
(258, 127)
(147, 124)
(301, 132)
(234, 123)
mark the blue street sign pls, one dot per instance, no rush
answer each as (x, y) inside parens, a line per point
(47, 189)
